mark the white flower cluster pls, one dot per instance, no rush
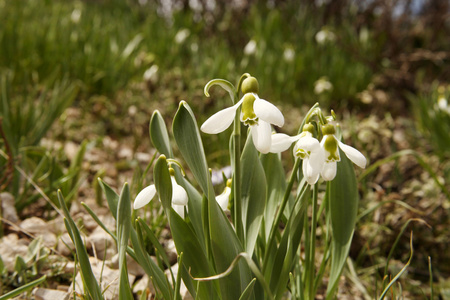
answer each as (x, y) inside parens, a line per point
(319, 158)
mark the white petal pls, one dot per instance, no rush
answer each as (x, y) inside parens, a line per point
(224, 198)
(179, 195)
(329, 171)
(144, 196)
(316, 161)
(354, 155)
(221, 120)
(179, 209)
(281, 142)
(262, 136)
(268, 112)
(311, 175)
(308, 143)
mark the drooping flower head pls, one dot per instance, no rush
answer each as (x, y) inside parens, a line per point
(257, 113)
(179, 196)
(224, 198)
(331, 145)
(309, 150)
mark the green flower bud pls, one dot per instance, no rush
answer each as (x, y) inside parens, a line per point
(250, 85)
(328, 129)
(308, 128)
(171, 172)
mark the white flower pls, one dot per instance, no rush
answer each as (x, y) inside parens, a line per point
(145, 196)
(330, 145)
(325, 35)
(257, 113)
(322, 85)
(179, 197)
(151, 74)
(224, 198)
(75, 16)
(182, 35)
(289, 54)
(250, 48)
(281, 142)
(308, 148)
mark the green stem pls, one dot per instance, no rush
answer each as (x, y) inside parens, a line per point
(312, 243)
(274, 228)
(237, 178)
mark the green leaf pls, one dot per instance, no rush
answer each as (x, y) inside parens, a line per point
(159, 135)
(246, 295)
(123, 234)
(187, 136)
(343, 207)
(186, 242)
(111, 197)
(225, 247)
(276, 186)
(163, 182)
(23, 288)
(253, 195)
(88, 276)
(141, 257)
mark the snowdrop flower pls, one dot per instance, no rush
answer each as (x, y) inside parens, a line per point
(257, 113)
(330, 146)
(224, 198)
(182, 35)
(309, 150)
(179, 197)
(289, 54)
(250, 48)
(322, 85)
(325, 35)
(75, 16)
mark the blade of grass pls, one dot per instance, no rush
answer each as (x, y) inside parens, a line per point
(392, 282)
(23, 288)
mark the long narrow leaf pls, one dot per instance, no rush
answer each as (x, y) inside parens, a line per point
(23, 288)
(253, 185)
(123, 234)
(85, 265)
(343, 200)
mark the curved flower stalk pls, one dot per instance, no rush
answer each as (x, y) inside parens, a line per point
(257, 113)
(179, 196)
(330, 146)
(224, 198)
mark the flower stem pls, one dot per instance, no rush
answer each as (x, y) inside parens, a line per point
(236, 161)
(312, 243)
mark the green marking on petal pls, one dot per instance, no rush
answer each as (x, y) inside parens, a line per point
(331, 146)
(248, 114)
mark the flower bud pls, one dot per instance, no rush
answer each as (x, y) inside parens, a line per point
(308, 128)
(250, 85)
(328, 129)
